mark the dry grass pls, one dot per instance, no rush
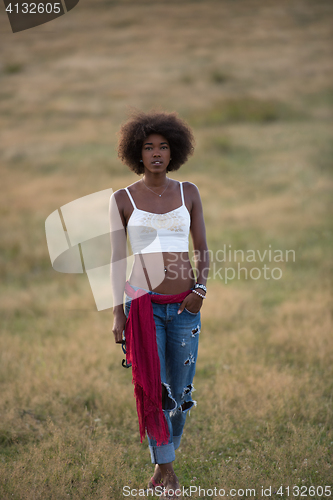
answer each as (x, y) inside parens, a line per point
(255, 80)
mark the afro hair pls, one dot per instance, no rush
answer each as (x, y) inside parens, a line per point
(141, 125)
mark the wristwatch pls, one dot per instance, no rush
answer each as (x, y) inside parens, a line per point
(199, 285)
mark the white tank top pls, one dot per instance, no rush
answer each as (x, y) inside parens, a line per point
(149, 232)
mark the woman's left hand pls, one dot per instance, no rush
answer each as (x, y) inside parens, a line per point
(192, 303)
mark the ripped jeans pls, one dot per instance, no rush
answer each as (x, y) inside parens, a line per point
(177, 337)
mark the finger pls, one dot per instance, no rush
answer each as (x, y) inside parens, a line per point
(181, 308)
(118, 339)
(117, 336)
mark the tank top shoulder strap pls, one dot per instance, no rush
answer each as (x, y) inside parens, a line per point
(130, 197)
(182, 193)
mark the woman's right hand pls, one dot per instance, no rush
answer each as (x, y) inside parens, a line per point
(119, 322)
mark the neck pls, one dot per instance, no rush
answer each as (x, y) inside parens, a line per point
(155, 180)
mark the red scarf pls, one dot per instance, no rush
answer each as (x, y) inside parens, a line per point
(142, 353)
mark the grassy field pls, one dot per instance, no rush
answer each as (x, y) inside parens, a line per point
(254, 79)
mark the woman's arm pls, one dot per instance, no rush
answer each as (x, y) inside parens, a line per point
(198, 233)
(193, 302)
(118, 263)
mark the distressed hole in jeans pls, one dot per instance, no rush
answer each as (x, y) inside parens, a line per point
(196, 331)
(187, 389)
(187, 406)
(168, 402)
(189, 360)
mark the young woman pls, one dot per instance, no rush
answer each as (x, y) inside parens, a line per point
(163, 295)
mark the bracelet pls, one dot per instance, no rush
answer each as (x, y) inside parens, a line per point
(202, 296)
(199, 285)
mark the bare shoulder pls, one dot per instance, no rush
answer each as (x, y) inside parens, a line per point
(120, 195)
(121, 199)
(191, 191)
(190, 187)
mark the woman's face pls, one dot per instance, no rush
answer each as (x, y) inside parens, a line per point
(155, 153)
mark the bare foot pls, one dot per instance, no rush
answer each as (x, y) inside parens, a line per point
(169, 478)
(156, 479)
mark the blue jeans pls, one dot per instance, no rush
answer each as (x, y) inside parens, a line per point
(177, 337)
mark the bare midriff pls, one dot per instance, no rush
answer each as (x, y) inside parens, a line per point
(168, 272)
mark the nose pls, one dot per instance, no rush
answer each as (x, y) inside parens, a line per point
(156, 153)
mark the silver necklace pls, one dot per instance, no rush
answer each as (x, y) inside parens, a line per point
(154, 191)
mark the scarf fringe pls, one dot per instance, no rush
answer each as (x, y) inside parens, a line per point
(151, 418)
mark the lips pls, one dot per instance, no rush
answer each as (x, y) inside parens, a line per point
(157, 162)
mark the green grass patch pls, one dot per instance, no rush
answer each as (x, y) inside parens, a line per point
(13, 68)
(244, 109)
